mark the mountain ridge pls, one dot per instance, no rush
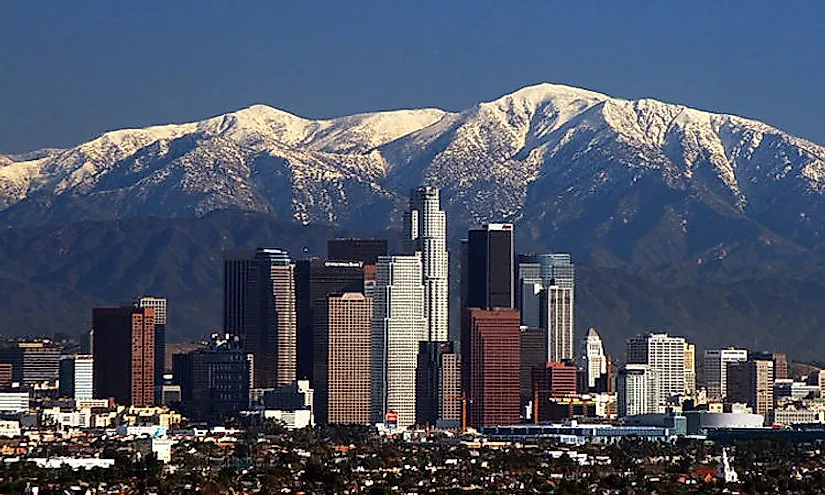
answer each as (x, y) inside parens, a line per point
(677, 201)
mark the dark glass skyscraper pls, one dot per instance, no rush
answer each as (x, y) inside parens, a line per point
(366, 251)
(487, 271)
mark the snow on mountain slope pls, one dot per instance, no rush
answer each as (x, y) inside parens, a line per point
(547, 154)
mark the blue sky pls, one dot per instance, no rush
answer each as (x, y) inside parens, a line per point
(72, 70)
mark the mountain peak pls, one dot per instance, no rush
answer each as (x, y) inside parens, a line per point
(546, 153)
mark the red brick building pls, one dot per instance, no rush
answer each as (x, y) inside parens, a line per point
(552, 381)
(124, 354)
(493, 364)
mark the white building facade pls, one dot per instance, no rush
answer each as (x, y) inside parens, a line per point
(425, 229)
(595, 361)
(716, 365)
(638, 390)
(666, 356)
(399, 323)
(83, 377)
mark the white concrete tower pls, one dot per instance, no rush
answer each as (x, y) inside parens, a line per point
(557, 320)
(398, 325)
(595, 360)
(666, 356)
(425, 231)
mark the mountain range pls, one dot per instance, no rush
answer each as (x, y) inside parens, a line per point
(711, 225)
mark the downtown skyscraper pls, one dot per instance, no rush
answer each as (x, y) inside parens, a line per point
(425, 230)
(546, 297)
(259, 308)
(399, 323)
(490, 333)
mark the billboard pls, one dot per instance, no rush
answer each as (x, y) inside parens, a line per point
(391, 420)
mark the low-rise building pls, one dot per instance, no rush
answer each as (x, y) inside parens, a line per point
(14, 402)
(793, 416)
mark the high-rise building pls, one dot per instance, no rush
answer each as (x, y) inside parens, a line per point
(716, 366)
(533, 344)
(124, 355)
(32, 362)
(492, 361)
(638, 390)
(159, 305)
(690, 369)
(6, 373)
(487, 267)
(399, 323)
(315, 280)
(280, 320)
(554, 380)
(77, 376)
(557, 320)
(536, 272)
(220, 381)
(342, 358)
(780, 363)
(182, 368)
(425, 231)
(259, 307)
(666, 356)
(595, 361)
(751, 382)
(366, 251)
(66, 386)
(438, 391)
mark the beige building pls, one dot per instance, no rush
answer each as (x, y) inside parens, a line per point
(690, 369)
(751, 382)
(283, 292)
(342, 359)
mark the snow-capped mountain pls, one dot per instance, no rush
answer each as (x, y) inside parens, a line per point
(562, 161)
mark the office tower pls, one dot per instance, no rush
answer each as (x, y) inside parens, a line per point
(638, 390)
(124, 355)
(77, 376)
(438, 391)
(716, 362)
(220, 381)
(492, 383)
(751, 382)
(280, 319)
(159, 305)
(595, 361)
(342, 358)
(666, 356)
(66, 386)
(366, 251)
(32, 362)
(536, 272)
(780, 366)
(557, 320)
(533, 344)
(259, 307)
(399, 323)
(487, 267)
(425, 231)
(182, 374)
(315, 279)
(690, 369)
(554, 380)
(6, 373)
(449, 399)
(780, 363)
